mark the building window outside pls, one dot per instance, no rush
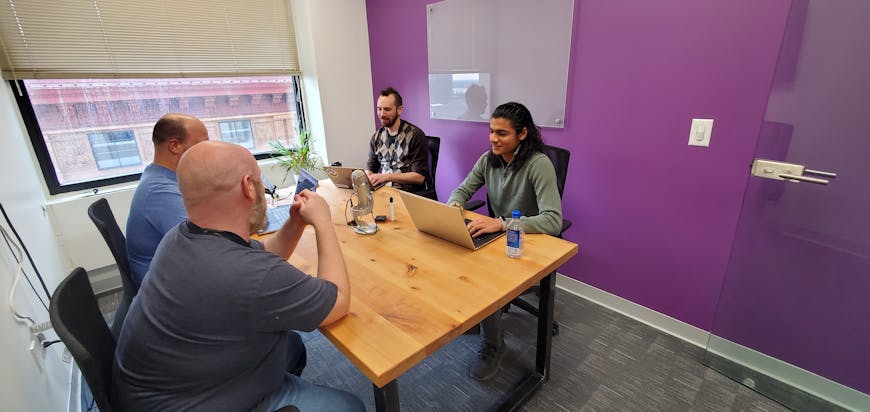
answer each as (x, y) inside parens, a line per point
(238, 132)
(89, 133)
(114, 149)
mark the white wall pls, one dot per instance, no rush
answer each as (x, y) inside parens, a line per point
(338, 91)
(23, 386)
(333, 45)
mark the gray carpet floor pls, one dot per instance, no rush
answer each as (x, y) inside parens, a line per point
(601, 361)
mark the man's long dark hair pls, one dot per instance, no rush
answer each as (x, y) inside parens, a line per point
(520, 118)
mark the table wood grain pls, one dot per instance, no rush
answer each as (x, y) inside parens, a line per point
(412, 293)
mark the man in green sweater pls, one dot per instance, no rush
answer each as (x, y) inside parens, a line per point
(518, 176)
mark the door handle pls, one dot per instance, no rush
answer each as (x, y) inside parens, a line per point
(792, 172)
(786, 176)
(820, 173)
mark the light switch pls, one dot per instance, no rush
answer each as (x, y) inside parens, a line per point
(700, 132)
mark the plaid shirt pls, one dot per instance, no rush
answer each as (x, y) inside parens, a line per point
(405, 152)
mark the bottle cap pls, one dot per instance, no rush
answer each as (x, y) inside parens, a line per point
(516, 214)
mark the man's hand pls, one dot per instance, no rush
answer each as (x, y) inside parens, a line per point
(378, 178)
(483, 225)
(312, 208)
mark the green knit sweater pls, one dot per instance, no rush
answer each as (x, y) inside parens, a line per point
(532, 190)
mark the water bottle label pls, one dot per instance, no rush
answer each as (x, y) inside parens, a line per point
(513, 238)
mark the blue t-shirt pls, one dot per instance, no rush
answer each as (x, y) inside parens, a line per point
(208, 329)
(157, 207)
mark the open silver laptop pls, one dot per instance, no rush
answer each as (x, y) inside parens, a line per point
(445, 222)
(341, 176)
(275, 218)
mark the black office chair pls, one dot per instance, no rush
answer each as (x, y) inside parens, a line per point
(434, 144)
(78, 322)
(75, 316)
(560, 158)
(102, 216)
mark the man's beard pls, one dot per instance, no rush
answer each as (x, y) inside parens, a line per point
(389, 122)
(257, 218)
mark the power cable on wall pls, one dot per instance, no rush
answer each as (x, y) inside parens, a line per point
(27, 252)
(18, 262)
(18, 271)
(15, 248)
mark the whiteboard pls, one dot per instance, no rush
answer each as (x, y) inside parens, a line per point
(486, 52)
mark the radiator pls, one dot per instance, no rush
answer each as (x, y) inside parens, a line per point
(76, 234)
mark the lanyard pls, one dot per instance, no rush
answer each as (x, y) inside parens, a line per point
(194, 229)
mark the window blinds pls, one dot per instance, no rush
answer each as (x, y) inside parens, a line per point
(146, 38)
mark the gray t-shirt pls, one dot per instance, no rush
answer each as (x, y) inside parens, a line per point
(208, 329)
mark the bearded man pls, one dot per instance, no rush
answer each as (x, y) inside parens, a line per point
(211, 327)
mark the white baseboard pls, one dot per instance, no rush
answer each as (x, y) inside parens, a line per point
(789, 374)
(662, 322)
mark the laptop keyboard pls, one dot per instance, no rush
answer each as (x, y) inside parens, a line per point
(484, 238)
(275, 217)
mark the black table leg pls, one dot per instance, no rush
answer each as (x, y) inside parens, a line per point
(387, 398)
(527, 387)
(545, 325)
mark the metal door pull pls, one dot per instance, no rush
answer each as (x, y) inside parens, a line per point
(820, 173)
(772, 169)
(807, 179)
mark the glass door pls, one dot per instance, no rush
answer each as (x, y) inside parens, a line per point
(795, 303)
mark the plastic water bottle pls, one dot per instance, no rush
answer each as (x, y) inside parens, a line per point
(515, 235)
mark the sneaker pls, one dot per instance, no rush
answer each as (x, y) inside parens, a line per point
(487, 363)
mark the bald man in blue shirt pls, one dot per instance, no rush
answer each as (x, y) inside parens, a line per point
(157, 204)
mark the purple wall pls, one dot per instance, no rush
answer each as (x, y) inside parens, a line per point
(796, 287)
(654, 217)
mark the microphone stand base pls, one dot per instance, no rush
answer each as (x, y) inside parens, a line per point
(368, 229)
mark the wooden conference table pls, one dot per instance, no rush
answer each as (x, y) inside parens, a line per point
(412, 293)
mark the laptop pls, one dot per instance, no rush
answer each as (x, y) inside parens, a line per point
(445, 222)
(341, 176)
(275, 218)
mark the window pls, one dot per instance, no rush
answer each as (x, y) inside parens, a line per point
(93, 132)
(91, 78)
(238, 132)
(114, 149)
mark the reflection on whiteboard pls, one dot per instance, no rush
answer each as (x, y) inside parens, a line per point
(463, 96)
(486, 52)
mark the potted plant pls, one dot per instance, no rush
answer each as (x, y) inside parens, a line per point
(296, 157)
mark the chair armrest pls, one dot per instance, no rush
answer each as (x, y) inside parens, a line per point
(474, 204)
(566, 224)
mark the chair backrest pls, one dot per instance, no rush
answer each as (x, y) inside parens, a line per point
(78, 322)
(103, 218)
(560, 158)
(434, 146)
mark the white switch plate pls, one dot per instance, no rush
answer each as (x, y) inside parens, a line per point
(700, 133)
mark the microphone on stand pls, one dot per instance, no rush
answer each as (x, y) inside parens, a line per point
(362, 211)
